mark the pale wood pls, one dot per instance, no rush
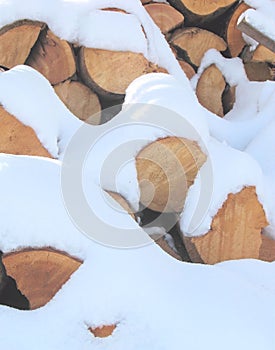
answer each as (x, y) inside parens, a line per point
(187, 68)
(103, 331)
(267, 250)
(80, 100)
(17, 138)
(210, 88)
(40, 273)
(16, 42)
(258, 71)
(255, 34)
(123, 202)
(262, 54)
(52, 57)
(233, 35)
(111, 72)
(195, 42)
(167, 162)
(165, 16)
(235, 231)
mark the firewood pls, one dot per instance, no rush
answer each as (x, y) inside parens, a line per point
(123, 202)
(110, 72)
(52, 57)
(235, 231)
(228, 98)
(262, 54)
(40, 273)
(187, 68)
(165, 16)
(80, 100)
(17, 40)
(194, 42)
(210, 89)
(267, 250)
(166, 169)
(258, 71)
(161, 242)
(17, 138)
(103, 331)
(201, 11)
(233, 35)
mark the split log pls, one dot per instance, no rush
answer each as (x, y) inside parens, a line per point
(80, 100)
(109, 73)
(210, 89)
(228, 98)
(193, 42)
(40, 273)
(161, 242)
(200, 11)
(258, 71)
(262, 54)
(17, 138)
(52, 57)
(16, 42)
(166, 169)
(187, 68)
(267, 250)
(123, 202)
(166, 17)
(235, 231)
(233, 35)
(103, 331)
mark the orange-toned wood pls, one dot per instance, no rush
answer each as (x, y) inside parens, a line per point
(187, 68)
(16, 42)
(166, 169)
(17, 138)
(267, 250)
(103, 332)
(40, 273)
(262, 54)
(52, 57)
(235, 231)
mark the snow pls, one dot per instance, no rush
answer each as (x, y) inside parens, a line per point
(157, 302)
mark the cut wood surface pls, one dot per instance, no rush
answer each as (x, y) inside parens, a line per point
(267, 250)
(17, 138)
(233, 35)
(52, 57)
(263, 54)
(40, 273)
(165, 16)
(187, 68)
(104, 331)
(194, 42)
(111, 72)
(258, 71)
(80, 100)
(16, 42)
(166, 169)
(235, 231)
(210, 89)
(123, 202)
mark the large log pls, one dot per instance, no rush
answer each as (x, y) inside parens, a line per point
(165, 16)
(80, 100)
(17, 138)
(16, 42)
(110, 72)
(40, 273)
(194, 42)
(235, 231)
(200, 11)
(52, 57)
(166, 169)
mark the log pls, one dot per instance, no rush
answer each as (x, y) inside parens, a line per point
(17, 138)
(235, 231)
(166, 169)
(228, 98)
(166, 17)
(123, 202)
(187, 68)
(17, 40)
(80, 100)
(192, 43)
(210, 89)
(109, 73)
(258, 71)
(262, 54)
(200, 11)
(267, 250)
(52, 57)
(103, 331)
(161, 242)
(233, 35)
(40, 273)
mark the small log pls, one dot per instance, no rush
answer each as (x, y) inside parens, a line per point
(40, 273)
(109, 73)
(123, 202)
(235, 231)
(52, 57)
(194, 42)
(103, 331)
(262, 54)
(187, 68)
(166, 17)
(200, 11)
(166, 169)
(267, 250)
(233, 35)
(210, 89)
(17, 138)
(258, 71)
(161, 242)
(80, 100)
(16, 42)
